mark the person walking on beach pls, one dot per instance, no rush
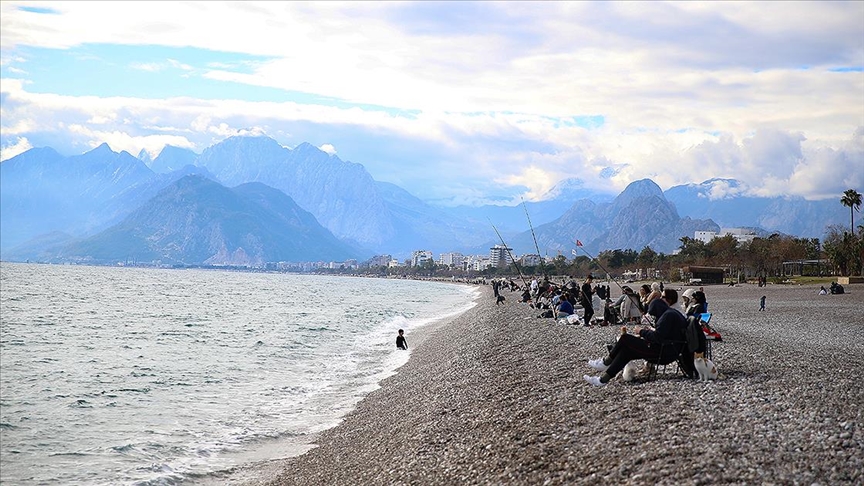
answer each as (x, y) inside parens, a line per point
(401, 343)
(762, 303)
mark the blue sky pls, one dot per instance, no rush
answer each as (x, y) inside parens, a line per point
(457, 102)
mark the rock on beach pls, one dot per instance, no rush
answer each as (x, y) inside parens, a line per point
(496, 396)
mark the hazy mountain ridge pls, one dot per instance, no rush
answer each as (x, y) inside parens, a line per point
(512, 219)
(341, 195)
(726, 201)
(198, 221)
(640, 216)
(41, 191)
(46, 193)
(171, 158)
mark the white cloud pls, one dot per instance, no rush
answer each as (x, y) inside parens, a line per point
(155, 67)
(20, 145)
(328, 148)
(704, 89)
(151, 67)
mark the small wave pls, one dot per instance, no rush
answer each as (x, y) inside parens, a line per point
(5, 426)
(135, 390)
(315, 328)
(123, 448)
(81, 403)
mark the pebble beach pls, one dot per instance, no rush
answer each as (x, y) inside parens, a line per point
(496, 396)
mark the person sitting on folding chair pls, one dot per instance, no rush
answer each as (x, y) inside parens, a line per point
(661, 345)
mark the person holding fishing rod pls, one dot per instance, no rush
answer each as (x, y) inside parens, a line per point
(629, 293)
(525, 298)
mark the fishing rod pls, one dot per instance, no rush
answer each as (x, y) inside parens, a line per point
(536, 246)
(511, 256)
(597, 260)
(579, 245)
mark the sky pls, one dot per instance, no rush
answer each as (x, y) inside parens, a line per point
(458, 102)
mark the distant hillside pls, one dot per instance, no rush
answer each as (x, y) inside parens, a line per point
(725, 201)
(198, 221)
(42, 191)
(640, 216)
(46, 197)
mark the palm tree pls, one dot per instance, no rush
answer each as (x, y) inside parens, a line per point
(852, 198)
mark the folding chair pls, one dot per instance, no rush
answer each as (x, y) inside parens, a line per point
(679, 345)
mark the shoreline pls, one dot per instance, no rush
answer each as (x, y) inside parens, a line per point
(495, 396)
(259, 472)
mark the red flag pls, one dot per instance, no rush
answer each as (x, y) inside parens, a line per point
(578, 243)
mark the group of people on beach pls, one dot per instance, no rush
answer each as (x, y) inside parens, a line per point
(652, 305)
(661, 342)
(561, 301)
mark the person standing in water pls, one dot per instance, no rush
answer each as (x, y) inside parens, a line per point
(401, 343)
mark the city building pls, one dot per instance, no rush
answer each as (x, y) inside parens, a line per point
(418, 257)
(452, 259)
(499, 256)
(530, 260)
(741, 235)
(477, 263)
(380, 261)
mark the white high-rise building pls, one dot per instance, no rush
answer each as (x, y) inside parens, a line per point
(420, 256)
(499, 256)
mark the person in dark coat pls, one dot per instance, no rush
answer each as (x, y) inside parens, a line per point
(649, 345)
(585, 296)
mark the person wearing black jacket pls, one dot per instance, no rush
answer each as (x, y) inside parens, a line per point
(670, 326)
(585, 298)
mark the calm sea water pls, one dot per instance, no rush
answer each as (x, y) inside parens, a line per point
(144, 376)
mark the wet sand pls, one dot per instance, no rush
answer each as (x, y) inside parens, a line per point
(496, 396)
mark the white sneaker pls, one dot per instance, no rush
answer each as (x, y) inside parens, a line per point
(594, 380)
(598, 364)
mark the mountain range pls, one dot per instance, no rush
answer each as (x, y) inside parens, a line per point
(248, 200)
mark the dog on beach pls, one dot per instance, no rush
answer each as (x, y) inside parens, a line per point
(705, 367)
(500, 300)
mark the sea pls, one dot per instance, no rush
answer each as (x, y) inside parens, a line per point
(141, 376)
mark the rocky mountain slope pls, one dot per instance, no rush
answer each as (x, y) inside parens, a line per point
(198, 221)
